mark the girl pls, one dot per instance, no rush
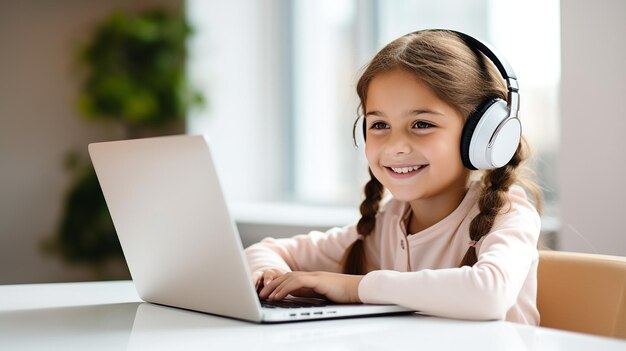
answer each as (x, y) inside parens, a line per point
(445, 244)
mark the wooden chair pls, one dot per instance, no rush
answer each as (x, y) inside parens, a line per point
(582, 292)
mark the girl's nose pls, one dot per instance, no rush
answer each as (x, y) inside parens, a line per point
(399, 144)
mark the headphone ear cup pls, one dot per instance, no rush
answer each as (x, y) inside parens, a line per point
(491, 137)
(470, 127)
(364, 129)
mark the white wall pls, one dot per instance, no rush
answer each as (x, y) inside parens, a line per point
(39, 125)
(592, 162)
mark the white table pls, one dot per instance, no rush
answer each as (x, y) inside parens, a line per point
(110, 316)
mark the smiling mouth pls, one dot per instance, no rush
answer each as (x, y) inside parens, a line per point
(406, 170)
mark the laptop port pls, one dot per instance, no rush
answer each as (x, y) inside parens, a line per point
(305, 314)
(318, 313)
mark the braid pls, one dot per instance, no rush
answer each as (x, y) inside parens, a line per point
(369, 206)
(496, 184)
(354, 258)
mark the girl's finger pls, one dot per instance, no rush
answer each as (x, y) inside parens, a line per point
(306, 292)
(270, 287)
(289, 285)
(269, 276)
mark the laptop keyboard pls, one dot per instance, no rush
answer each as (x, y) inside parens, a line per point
(295, 303)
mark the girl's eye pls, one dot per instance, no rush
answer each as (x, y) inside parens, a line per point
(379, 125)
(422, 125)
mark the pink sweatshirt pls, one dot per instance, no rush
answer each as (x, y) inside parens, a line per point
(421, 270)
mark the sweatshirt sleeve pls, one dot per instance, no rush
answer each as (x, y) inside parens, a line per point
(484, 291)
(315, 251)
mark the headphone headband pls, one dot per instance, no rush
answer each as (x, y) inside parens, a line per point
(499, 61)
(503, 66)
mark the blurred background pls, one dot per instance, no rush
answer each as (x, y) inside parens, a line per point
(272, 85)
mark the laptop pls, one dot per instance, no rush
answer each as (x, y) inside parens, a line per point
(180, 243)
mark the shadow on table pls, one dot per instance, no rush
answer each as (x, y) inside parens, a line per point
(74, 327)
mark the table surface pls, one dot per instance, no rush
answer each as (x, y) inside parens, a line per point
(111, 316)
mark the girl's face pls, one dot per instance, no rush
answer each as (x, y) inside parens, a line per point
(412, 138)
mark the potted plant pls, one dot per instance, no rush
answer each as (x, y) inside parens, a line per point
(134, 77)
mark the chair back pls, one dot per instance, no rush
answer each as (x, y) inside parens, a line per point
(582, 292)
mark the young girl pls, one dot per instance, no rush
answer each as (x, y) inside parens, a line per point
(444, 244)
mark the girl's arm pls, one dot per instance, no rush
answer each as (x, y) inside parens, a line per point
(485, 291)
(316, 251)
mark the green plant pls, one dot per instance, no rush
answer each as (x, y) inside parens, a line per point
(136, 70)
(86, 232)
(134, 76)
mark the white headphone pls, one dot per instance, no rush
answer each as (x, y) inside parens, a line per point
(493, 130)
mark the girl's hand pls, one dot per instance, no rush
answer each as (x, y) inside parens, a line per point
(340, 288)
(262, 278)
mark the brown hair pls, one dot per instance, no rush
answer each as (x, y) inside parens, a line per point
(463, 78)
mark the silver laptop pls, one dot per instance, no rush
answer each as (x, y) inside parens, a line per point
(180, 242)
